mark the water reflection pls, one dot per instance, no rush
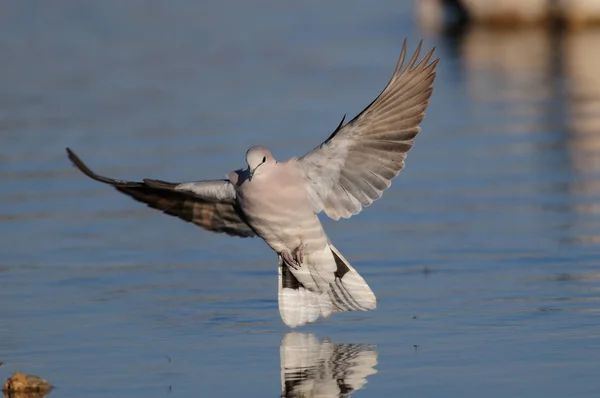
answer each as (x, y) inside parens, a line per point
(31, 394)
(536, 93)
(313, 368)
(581, 64)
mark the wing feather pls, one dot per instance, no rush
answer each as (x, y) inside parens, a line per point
(353, 167)
(209, 204)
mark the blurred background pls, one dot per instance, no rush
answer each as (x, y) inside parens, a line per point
(483, 254)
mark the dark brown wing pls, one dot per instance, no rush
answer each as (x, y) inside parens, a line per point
(209, 204)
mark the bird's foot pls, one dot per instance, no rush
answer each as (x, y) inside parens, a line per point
(299, 253)
(295, 259)
(289, 260)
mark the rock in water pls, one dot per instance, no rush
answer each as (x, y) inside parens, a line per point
(31, 385)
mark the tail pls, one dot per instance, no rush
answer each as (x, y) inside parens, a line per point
(346, 291)
(349, 291)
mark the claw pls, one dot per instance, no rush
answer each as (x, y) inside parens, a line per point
(295, 259)
(289, 260)
(299, 253)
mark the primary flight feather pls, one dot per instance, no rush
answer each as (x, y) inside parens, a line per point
(279, 201)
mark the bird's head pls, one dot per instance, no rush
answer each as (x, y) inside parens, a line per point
(259, 160)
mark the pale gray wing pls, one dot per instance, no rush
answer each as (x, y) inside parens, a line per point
(353, 167)
(209, 204)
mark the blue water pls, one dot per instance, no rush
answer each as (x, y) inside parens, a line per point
(483, 254)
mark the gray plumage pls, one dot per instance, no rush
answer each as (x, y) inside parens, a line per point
(279, 201)
(357, 162)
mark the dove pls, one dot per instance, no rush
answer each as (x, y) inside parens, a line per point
(279, 201)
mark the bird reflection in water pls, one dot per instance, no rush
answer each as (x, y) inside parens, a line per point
(313, 368)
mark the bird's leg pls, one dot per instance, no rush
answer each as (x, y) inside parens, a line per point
(295, 259)
(299, 253)
(289, 260)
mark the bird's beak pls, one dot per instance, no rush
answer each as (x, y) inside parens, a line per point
(252, 171)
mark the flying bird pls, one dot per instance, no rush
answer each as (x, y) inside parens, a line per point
(279, 201)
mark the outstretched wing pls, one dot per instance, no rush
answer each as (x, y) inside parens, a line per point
(353, 167)
(209, 204)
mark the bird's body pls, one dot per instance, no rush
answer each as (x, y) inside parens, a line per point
(282, 227)
(280, 201)
(313, 290)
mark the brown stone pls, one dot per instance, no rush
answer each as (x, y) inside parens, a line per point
(31, 385)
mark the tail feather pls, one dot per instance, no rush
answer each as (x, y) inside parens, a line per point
(297, 304)
(348, 291)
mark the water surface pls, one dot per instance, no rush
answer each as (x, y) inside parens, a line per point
(483, 254)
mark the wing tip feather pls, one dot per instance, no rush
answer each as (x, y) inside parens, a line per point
(401, 58)
(415, 56)
(82, 167)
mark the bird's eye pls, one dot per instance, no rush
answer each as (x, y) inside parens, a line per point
(264, 159)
